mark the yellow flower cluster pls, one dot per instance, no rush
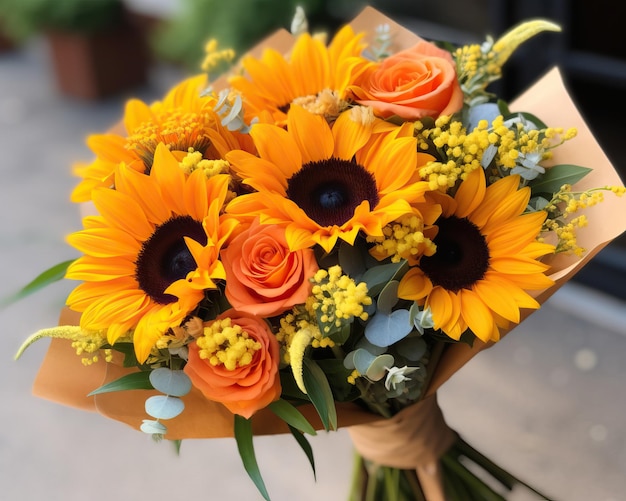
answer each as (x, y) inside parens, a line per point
(178, 129)
(215, 58)
(566, 202)
(475, 68)
(354, 375)
(90, 343)
(298, 330)
(402, 239)
(179, 336)
(479, 65)
(517, 141)
(460, 152)
(193, 161)
(302, 318)
(566, 235)
(227, 344)
(338, 298)
(327, 104)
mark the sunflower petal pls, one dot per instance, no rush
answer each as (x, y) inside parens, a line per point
(471, 192)
(414, 285)
(477, 314)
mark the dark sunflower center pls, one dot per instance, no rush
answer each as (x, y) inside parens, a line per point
(165, 258)
(462, 256)
(329, 190)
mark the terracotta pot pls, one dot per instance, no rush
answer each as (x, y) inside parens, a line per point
(96, 65)
(6, 44)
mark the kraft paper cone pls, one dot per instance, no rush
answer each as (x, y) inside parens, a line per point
(64, 379)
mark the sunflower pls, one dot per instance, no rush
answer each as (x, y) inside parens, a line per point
(184, 120)
(326, 183)
(151, 252)
(486, 259)
(313, 75)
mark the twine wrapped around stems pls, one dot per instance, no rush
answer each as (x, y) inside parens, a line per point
(413, 439)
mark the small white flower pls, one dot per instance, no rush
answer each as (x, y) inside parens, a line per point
(299, 23)
(423, 320)
(397, 375)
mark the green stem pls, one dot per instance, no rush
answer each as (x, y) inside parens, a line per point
(359, 479)
(497, 472)
(414, 485)
(474, 485)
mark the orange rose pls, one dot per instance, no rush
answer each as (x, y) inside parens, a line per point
(412, 84)
(263, 277)
(235, 362)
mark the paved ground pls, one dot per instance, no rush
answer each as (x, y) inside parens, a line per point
(548, 402)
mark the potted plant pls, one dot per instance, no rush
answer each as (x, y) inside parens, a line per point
(95, 48)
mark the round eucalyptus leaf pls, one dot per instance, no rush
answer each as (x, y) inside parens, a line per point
(170, 382)
(378, 368)
(348, 361)
(164, 406)
(362, 360)
(153, 427)
(385, 330)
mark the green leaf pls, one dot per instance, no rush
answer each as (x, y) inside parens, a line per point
(319, 392)
(44, 279)
(558, 175)
(337, 376)
(177, 444)
(305, 445)
(128, 349)
(292, 416)
(378, 276)
(388, 297)
(133, 381)
(290, 388)
(351, 259)
(243, 436)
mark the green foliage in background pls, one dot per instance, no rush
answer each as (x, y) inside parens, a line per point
(239, 24)
(21, 19)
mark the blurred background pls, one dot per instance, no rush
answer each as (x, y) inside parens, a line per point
(547, 402)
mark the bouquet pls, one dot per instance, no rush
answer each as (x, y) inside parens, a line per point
(321, 238)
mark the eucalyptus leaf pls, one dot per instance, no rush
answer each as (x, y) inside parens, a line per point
(243, 437)
(153, 427)
(388, 297)
(318, 390)
(305, 446)
(170, 382)
(558, 175)
(164, 406)
(385, 330)
(51, 275)
(378, 276)
(378, 368)
(362, 360)
(292, 416)
(484, 111)
(132, 381)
